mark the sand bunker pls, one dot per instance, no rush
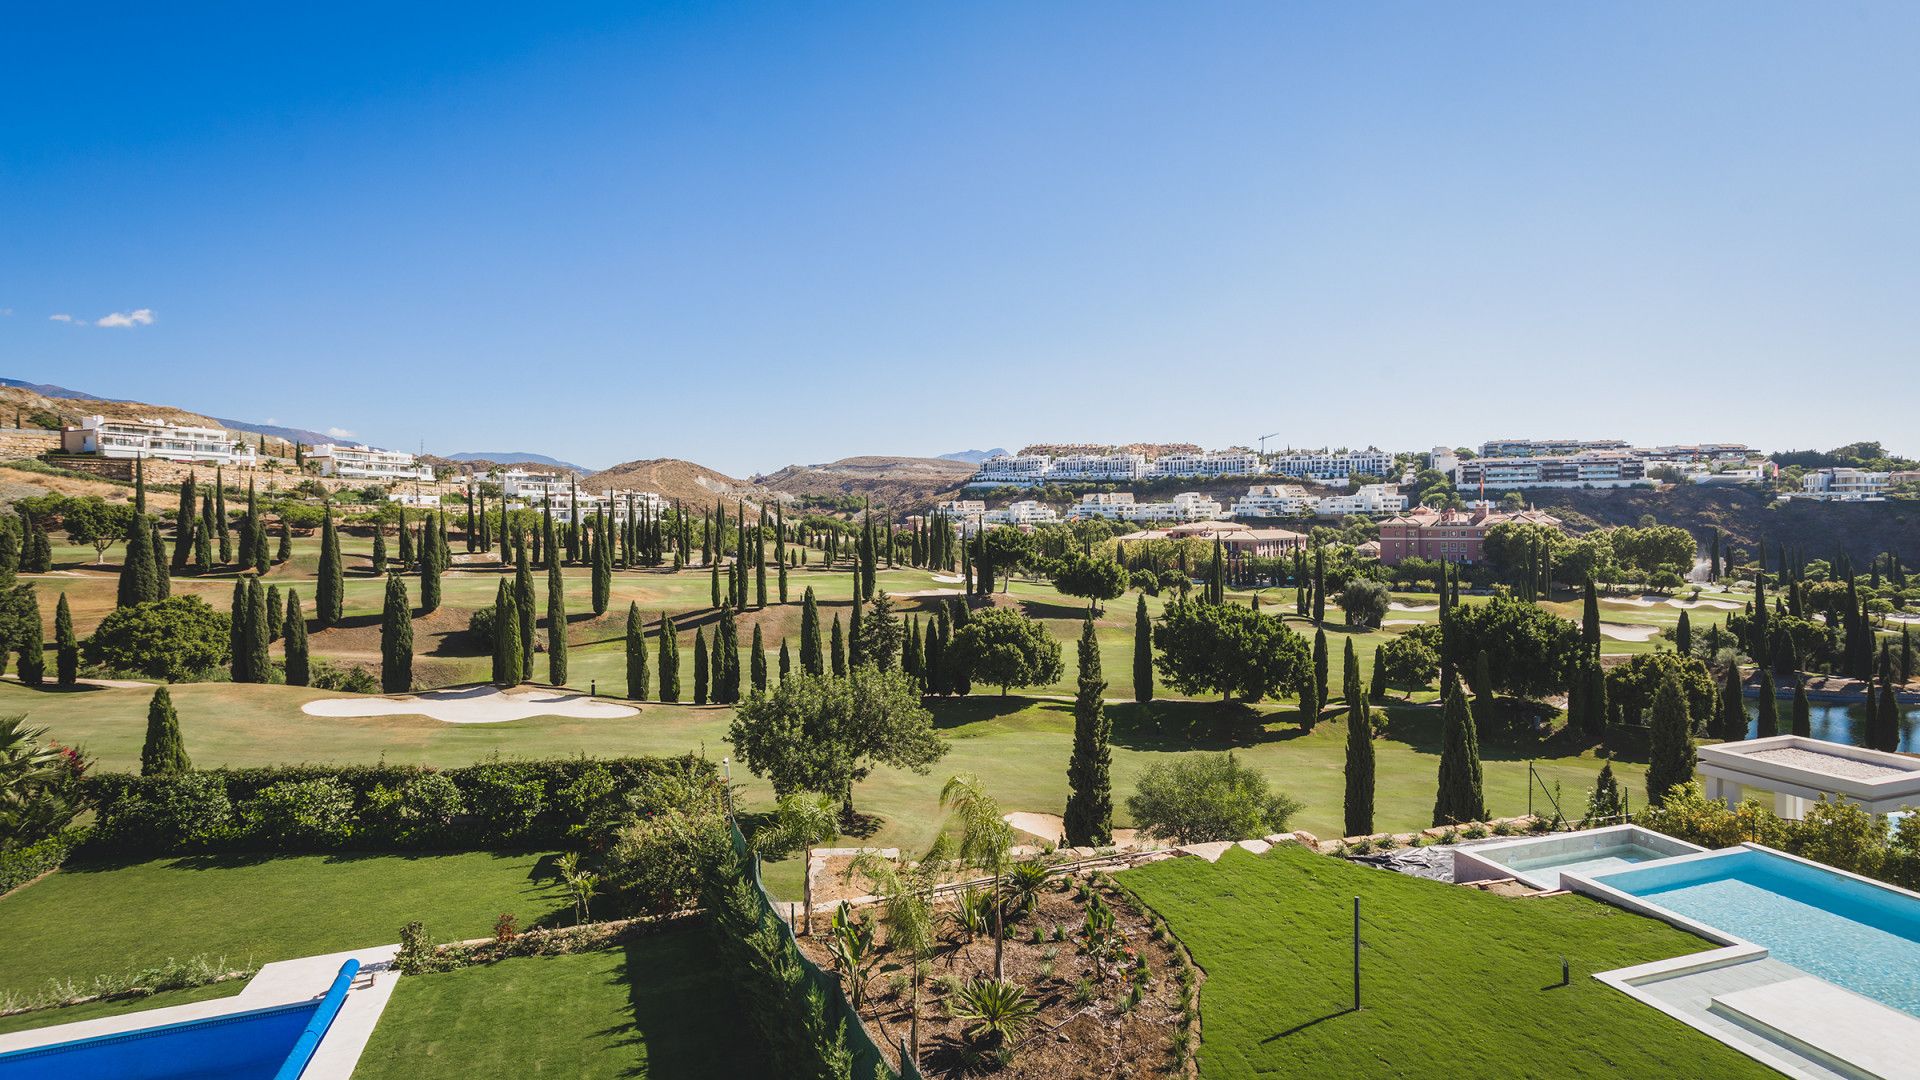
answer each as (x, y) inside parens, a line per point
(1398, 606)
(951, 579)
(474, 705)
(1401, 622)
(1722, 605)
(1053, 829)
(1629, 601)
(98, 684)
(1629, 631)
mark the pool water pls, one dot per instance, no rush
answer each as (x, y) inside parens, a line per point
(1848, 932)
(241, 1046)
(1617, 857)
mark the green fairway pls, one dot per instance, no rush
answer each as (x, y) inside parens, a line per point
(1456, 982)
(656, 1008)
(105, 919)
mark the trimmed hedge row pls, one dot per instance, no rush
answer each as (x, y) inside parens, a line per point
(374, 807)
(22, 865)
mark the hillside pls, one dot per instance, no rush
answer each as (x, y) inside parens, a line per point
(516, 457)
(484, 463)
(70, 405)
(901, 483)
(676, 480)
(1748, 516)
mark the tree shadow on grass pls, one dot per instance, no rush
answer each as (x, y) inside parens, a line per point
(976, 708)
(684, 1014)
(1421, 729)
(1044, 609)
(1173, 726)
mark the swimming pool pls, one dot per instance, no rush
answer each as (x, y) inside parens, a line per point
(1540, 860)
(1852, 932)
(259, 1044)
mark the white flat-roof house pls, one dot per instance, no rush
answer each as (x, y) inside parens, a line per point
(1845, 485)
(1120, 506)
(1098, 468)
(1274, 501)
(1336, 465)
(1014, 469)
(1369, 499)
(414, 499)
(115, 438)
(1798, 771)
(1547, 447)
(1208, 463)
(961, 508)
(367, 463)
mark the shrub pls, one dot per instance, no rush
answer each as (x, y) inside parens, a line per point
(301, 814)
(178, 639)
(505, 800)
(350, 679)
(480, 625)
(21, 865)
(654, 864)
(172, 812)
(1207, 798)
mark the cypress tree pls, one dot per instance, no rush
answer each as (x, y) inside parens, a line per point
(1310, 702)
(839, 650)
(203, 537)
(669, 659)
(329, 592)
(1461, 795)
(934, 658)
(1670, 759)
(140, 484)
(713, 574)
(396, 638)
(524, 607)
(810, 659)
(275, 613)
(241, 663)
(294, 625)
(760, 563)
(636, 654)
(786, 661)
(556, 625)
(66, 647)
(222, 525)
(1359, 794)
(1089, 814)
(256, 534)
(1320, 603)
(406, 543)
(429, 584)
(285, 553)
(602, 573)
(508, 653)
(1349, 674)
(1802, 709)
(1596, 697)
(1886, 721)
(162, 576)
(1683, 636)
(183, 525)
(259, 638)
(1769, 704)
(1320, 665)
(724, 661)
(379, 549)
(1142, 652)
(757, 663)
(1590, 615)
(139, 578)
(165, 752)
(700, 665)
(31, 643)
(1379, 681)
(472, 529)
(1733, 711)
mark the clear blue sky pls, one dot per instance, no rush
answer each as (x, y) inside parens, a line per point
(756, 235)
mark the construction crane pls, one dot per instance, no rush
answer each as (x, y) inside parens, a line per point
(1263, 442)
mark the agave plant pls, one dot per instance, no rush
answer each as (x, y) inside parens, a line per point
(996, 1011)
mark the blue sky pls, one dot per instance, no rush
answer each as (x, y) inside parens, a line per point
(751, 235)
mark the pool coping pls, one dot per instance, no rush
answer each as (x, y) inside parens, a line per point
(1484, 857)
(279, 984)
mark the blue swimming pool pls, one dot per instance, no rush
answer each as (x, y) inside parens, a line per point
(1850, 932)
(259, 1044)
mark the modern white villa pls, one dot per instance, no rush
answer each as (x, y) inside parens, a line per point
(148, 438)
(1292, 500)
(1845, 485)
(1797, 772)
(361, 462)
(1120, 506)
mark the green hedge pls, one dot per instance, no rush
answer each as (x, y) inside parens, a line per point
(22, 865)
(373, 807)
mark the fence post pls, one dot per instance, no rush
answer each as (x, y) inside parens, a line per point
(806, 874)
(1356, 954)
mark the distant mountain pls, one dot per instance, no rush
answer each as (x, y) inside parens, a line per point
(516, 457)
(677, 481)
(898, 483)
(275, 431)
(49, 390)
(973, 457)
(168, 412)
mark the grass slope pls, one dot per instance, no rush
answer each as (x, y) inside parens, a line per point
(103, 919)
(1455, 982)
(654, 1009)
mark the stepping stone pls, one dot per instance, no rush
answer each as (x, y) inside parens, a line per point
(1210, 852)
(1258, 847)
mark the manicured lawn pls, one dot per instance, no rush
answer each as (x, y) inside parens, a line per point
(653, 1009)
(105, 919)
(1455, 982)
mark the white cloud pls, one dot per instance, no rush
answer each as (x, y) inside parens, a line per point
(136, 317)
(62, 317)
(339, 433)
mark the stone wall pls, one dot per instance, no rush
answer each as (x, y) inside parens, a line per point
(19, 444)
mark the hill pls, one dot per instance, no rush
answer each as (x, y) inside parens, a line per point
(973, 457)
(898, 483)
(516, 457)
(1748, 517)
(675, 480)
(70, 405)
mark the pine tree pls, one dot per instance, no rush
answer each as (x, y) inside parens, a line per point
(636, 654)
(396, 638)
(294, 626)
(330, 590)
(699, 665)
(1733, 711)
(839, 650)
(757, 663)
(508, 653)
(1670, 760)
(1320, 665)
(1359, 794)
(139, 578)
(66, 647)
(1142, 653)
(811, 661)
(32, 646)
(259, 637)
(669, 660)
(165, 752)
(1462, 795)
(1802, 708)
(556, 625)
(1089, 814)
(1769, 704)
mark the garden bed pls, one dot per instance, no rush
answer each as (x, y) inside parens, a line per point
(1085, 1024)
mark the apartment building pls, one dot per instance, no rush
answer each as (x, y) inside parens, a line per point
(1369, 499)
(1532, 448)
(1336, 465)
(1120, 506)
(1015, 469)
(1239, 541)
(367, 463)
(1452, 536)
(1274, 501)
(1098, 468)
(117, 438)
(962, 508)
(1592, 469)
(1208, 463)
(1845, 485)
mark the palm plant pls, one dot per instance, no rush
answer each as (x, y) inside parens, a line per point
(37, 784)
(974, 914)
(853, 952)
(985, 841)
(996, 1011)
(1024, 882)
(906, 910)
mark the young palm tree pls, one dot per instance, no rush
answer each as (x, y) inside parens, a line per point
(906, 910)
(985, 842)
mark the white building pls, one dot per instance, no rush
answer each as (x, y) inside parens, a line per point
(1120, 506)
(524, 485)
(1098, 468)
(414, 499)
(1014, 469)
(1594, 469)
(1547, 447)
(1370, 499)
(962, 508)
(1274, 501)
(1336, 465)
(1023, 512)
(367, 463)
(155, 439)
(1845, 485)
(1443, 459)
(1208, 463)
